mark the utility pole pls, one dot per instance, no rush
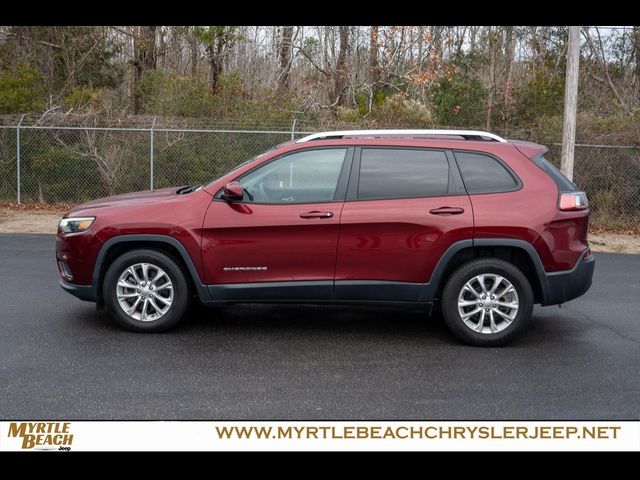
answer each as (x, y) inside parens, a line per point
(570, 103)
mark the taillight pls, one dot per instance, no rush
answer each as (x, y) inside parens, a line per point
(573, 201)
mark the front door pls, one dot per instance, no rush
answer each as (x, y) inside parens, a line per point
(404, 208)
(280, 241)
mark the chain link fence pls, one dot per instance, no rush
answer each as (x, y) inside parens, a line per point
(610, 175)
(73, 164)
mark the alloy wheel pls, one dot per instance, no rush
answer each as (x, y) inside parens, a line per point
(144, 292)
(488, 303)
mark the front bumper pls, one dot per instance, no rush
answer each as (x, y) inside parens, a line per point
(564, 286)
(83, 292)
(76, 256)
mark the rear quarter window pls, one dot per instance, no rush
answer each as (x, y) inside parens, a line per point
(484, 173)
(563, 183)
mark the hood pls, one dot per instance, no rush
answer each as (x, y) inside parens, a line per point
(134, 198)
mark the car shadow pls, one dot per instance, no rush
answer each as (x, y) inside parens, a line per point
(548, 325)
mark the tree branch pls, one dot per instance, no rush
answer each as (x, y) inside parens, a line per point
(314, 64)
(118, 29)
(600, 56)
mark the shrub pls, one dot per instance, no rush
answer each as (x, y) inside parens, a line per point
(400, 111)
(168, 94)
(83, 98)
(20, 90)
(542, 95)
(459, 101)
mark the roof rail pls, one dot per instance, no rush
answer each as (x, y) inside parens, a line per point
(466, 134)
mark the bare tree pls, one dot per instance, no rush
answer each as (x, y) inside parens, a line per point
(194, 51)
(436, 34)
(218, 41)
(99, 146)
(330, 67)
(374, 67)
(340, 72)
(144, 58)
(636, 48)
(537, 41)
(493, 47)
(598, 52)
(473, 35)
(285, 57)
(510, 48)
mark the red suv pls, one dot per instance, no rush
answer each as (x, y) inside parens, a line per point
(482, 226)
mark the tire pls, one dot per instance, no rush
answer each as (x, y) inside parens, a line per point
(508, 321)
(167, 295)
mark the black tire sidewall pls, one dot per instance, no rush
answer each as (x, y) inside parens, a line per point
(181, 291)
(465, 273)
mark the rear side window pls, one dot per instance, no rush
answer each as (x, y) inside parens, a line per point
(484, 174)
(563, 183)
(402, 173)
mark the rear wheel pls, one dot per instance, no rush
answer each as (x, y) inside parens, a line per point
(487, 302)
(146, 291)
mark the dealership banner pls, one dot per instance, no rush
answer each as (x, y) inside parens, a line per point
(65, 436)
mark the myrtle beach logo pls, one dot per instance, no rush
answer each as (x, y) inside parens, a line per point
(42, 435)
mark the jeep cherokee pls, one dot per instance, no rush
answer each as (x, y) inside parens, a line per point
(481, 226)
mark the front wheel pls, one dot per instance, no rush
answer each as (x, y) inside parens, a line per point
(146, 291)
(487, 302)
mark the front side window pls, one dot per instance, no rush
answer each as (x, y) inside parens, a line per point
(402, 173)
(309, 176)
(484, 174)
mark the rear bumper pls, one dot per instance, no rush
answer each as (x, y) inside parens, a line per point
(564, 286)
(83, 292)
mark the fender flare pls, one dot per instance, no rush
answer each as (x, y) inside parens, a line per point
(99, 268)
(430, 289)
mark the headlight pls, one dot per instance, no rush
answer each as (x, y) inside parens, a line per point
(76, 224)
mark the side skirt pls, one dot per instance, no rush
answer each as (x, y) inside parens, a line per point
(381, 303)
(347, 291)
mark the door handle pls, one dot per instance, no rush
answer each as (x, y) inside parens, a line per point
(316, 214)
(447, 211)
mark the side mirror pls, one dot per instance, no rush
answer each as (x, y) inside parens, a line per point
(233, 192)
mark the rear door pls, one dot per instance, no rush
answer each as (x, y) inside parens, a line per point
(404, 208)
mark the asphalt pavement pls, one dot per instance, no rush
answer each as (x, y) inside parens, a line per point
(61, 359)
